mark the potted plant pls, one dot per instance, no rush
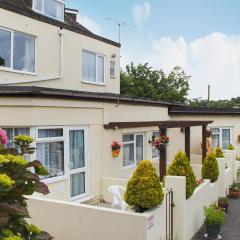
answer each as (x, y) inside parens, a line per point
(214, 219)
(116, 147)
(223, 203)
(234, 190)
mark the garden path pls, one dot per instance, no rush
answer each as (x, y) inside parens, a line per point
(231, 227)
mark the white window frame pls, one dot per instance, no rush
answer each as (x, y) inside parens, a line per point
(55, 139)
(43, 13)
(135, 148)
(84, 169)
(114, 75)
(220, 134)
(10, 69)
(155, 158)
(104, 62)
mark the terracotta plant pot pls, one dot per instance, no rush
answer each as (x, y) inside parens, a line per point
(115, 153)
(233, 194)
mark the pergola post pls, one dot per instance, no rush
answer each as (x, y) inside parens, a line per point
(187, 142)
(163, 158)
(204, 142)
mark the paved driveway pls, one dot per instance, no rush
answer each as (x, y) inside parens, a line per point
(231, 228)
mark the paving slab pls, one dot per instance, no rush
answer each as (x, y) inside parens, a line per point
(231, 227)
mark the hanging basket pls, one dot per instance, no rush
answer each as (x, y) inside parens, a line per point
(162, 146)
(115, 153)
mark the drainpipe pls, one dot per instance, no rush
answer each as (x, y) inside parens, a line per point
(61, 34)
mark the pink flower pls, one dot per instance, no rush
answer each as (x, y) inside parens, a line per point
(3, 136)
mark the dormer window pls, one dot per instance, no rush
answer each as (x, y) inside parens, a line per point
(50, 8)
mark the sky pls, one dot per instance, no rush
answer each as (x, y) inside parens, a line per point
(201, 36)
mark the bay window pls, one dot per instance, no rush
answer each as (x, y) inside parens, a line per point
(93, 67)
(133, 149)
(50, 8)
(17, 51)
(221, 137)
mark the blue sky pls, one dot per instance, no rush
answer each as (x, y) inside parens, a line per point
(202, 36)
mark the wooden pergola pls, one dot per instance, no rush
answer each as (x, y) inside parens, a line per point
(163, 126)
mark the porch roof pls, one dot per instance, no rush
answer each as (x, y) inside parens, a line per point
(160, 124)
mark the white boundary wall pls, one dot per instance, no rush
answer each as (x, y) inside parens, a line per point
(188, 213)
(70, 221)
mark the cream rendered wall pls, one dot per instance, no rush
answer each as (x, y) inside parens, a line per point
(32, 112)
(48, 55)
(219, 121)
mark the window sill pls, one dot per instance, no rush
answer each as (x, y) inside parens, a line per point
(17, 71)
(113, 77)
(94, 83)
(55, 179)
(129, 167)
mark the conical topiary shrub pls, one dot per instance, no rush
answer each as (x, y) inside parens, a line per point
(219, 153)
(210, 168)
(144, 190)
(181, 167)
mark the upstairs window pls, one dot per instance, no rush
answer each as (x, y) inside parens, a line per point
(51, 8)
(112, 69)
(93, 67)
(17, 51)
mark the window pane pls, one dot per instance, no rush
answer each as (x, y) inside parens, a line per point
(76, 148)
(225, 138)
(112, 68)
(215, 130)
(139, 148)
(215, 140)
(89, 66)
(51, 155)
(23, 53)
(38, 5)
(5, 48)
(100, 69)
(128, 138)
(48, 133)
(53, 9)
(77, 184)
(128, 154)
(22, 131)
(155, 151)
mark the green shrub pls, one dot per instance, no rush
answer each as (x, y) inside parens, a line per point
(19, 178)
(181, 167)
(144, 190)
(214, 216)
(231, 147)
(210, 168)
(219, 153)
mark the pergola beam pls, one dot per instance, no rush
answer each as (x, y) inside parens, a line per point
(187, 142)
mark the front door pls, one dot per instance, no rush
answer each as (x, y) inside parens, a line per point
(77, 159)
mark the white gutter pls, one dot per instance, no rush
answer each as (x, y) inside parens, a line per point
(4, 81)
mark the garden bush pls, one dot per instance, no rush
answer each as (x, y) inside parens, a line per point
(231, 147)
(181, 167)
(219, 153)
(19, 178)
(210, 168)
(144, 190)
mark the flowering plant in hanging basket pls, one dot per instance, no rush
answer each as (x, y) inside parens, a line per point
(161, 141)
(116, 147)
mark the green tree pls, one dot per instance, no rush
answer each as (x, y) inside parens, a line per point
(143, 81)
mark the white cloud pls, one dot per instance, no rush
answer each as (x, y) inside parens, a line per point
(89, 24)
(214, 60)
(141, 13)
